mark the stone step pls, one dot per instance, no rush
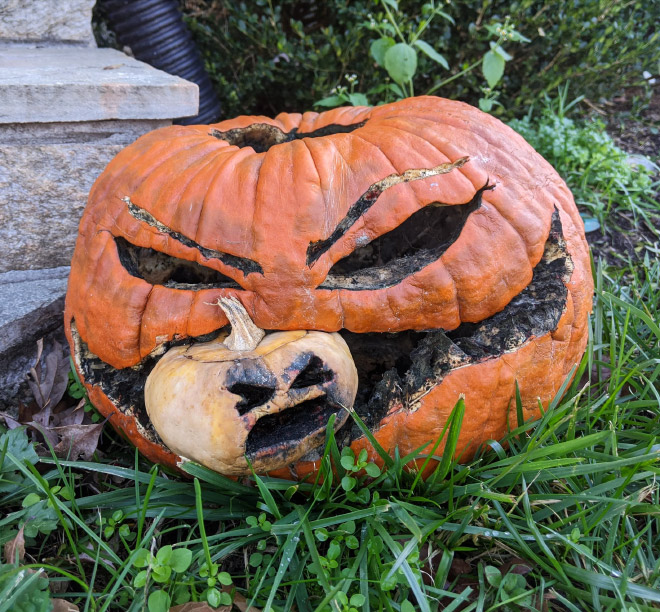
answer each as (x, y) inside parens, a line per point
(87, 84)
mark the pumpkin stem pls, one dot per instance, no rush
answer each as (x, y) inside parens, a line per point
(245, 335)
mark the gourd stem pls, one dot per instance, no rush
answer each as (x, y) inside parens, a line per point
(245, 335)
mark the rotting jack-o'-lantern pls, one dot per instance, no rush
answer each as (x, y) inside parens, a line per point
(431, 243)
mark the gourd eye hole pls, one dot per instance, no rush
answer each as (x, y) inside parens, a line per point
(314, 373)
(251, 396)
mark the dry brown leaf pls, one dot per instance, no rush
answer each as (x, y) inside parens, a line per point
(241, 603)
(198, 606)
(62, 605)
(48, 384)
(516, 565)
(74, 415)
(10, 421)
(15, 547)
(77, 440)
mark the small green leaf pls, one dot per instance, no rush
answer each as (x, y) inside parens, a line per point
(334, 550)
(224, 578)
(486, 104)
(140, 580)
(213, 597)
(358, 99)
(493, 68)
(401, 62)
(142, 558)
(348, 482)
(161, 573)
(30, 500)
(392, 4)
(252, 521)
(406, 606)
(159, 601)
(493, 575)
(497, 49)
(180, 560)
(256, 559)
(346, 462)
(427, 49)
(387, 583)
(379, 47)
(372, 470)
(164, 555)
(330, 101)
(358, 600)
(321, 534)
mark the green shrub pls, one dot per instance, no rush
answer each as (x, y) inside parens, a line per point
(598, 172)
(266, 56)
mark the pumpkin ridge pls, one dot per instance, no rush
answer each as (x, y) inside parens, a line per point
(175, 175)
(318, 176)
(120, 185)
(437, 148)
(238, 161)
(222, 158)
(181, 182)
(160, 154)
(244, 264)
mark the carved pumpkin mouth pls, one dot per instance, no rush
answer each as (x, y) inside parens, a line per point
(394, 369)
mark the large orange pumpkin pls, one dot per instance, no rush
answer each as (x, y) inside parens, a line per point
(444, 275)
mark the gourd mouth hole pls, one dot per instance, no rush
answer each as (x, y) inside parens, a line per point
(263, 136)
(392, 368)
(283, 431)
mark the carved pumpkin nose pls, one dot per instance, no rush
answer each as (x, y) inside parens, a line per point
(249, 397)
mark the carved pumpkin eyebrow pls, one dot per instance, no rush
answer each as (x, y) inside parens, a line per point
(245, 265)
(369, 197)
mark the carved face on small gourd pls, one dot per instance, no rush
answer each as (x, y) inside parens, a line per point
(446, 253)
(217, 402)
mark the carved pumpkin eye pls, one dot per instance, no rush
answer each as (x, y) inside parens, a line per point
(158, 268)
(420, 240)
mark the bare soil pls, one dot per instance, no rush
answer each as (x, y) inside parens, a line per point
(633, 121)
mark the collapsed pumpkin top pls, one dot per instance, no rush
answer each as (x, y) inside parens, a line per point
(311, 221)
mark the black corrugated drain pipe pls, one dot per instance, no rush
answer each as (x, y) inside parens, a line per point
(157, 35)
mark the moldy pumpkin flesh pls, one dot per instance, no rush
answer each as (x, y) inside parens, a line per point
(443, 276)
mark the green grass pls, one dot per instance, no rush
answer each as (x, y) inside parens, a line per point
(573, 507)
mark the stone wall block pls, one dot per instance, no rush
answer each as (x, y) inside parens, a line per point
(47, 21)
